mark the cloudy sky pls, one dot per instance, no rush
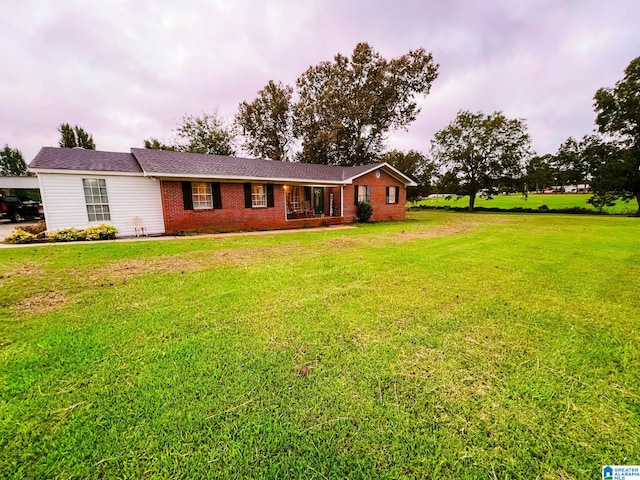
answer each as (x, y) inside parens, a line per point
(127, 70)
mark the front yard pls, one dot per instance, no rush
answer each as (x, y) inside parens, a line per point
(467, 346)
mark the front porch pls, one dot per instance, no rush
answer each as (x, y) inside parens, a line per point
(306, 202)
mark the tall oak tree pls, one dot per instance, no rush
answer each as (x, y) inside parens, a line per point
(266, 122)
(481, 149)
(347, 106)
(618, 115)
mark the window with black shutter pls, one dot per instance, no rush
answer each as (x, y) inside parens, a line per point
(201, 195)
(258, 195)
(362, 194)
(393, 194)
(247, 195)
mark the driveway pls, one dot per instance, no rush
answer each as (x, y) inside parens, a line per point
(7, 227)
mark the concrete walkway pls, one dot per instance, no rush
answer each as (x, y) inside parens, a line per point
(171, 237)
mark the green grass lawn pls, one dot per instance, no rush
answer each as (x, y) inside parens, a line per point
(448, 345)
(533, 200)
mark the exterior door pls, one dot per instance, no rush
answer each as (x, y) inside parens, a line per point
(318, 200)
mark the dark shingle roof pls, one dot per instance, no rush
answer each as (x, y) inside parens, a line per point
(81, 159)
(179, 164)
(159, 162)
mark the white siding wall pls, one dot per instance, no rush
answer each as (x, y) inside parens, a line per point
(64, 203)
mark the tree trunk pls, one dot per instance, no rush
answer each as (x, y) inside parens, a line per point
(638, 200)
(472, 201)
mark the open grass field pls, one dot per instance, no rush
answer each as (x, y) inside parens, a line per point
(445, 346)
(534, 200)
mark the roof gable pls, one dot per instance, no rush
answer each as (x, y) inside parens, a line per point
(390, 169)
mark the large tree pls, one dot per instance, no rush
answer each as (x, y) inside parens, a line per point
(75, 136)
(569, 164)
(481, 149)
(155, 144)
(603, 163)
(618, 115)
(12, 163)
(347, 107)
(205, 134)
(538, 172)
(266, 122)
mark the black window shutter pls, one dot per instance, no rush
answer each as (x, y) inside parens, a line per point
(247, 195)
(307, 194)
(387, 194)
(355, 194)
(217, 198)
(269, 195)
(187, 197)
(368, 193)
(397, 194)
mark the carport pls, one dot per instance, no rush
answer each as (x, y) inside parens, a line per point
(20, 186)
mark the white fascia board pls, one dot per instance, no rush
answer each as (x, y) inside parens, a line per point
(60, 171)
(247, 179)
(401, 176)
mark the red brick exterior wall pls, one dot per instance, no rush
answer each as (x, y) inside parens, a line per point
(381, 210)
(234, 216)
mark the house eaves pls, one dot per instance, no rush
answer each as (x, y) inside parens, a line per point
(93, 173)
(391, 170)
(238, 178)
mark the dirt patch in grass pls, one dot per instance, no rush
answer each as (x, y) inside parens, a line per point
(444, 230)
(24, 269)
(424, 362)
(342, 242)
(454, 227)
(41, 303)
(192, 261)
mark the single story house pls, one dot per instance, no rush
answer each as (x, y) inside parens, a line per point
(176, 191)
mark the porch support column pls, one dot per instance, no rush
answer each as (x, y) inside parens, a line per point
(341, 199)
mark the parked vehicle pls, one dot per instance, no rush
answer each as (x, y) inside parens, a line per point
(17, 209)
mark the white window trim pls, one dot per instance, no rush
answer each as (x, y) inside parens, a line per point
(391, 198)
(258, 199)
(205, 201)
(364, 194)
(90, 202)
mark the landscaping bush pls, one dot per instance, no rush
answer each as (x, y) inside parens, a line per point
(67, 235)
(104, 231)
(365, 211)
(32, 233)
(35, 229)
(543, 207)
(20, 236)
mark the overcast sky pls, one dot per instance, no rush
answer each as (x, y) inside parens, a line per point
(128, 70)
